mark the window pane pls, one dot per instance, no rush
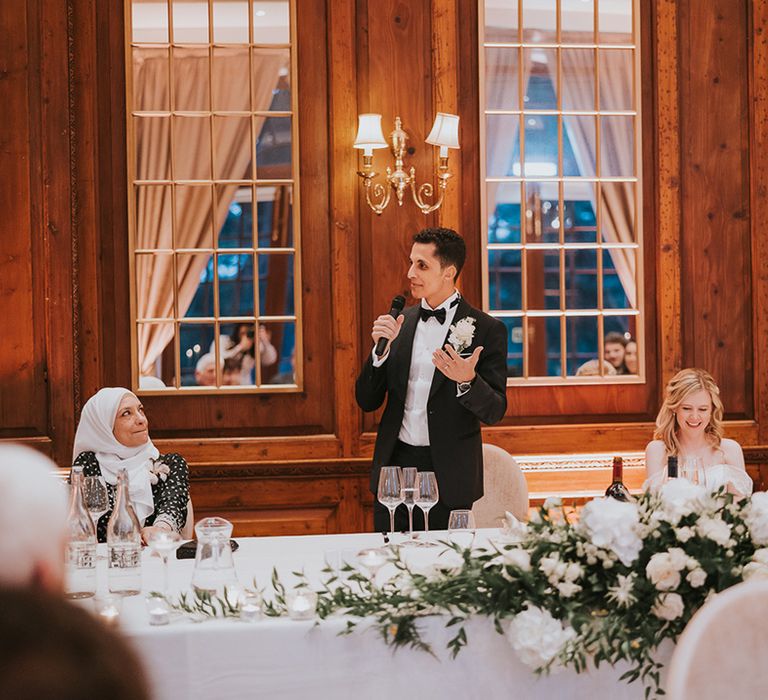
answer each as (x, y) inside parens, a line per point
(580, 132)
(501, 79)
(617, 212)
(198, 356)
(615, 80)
(543, 344)
(505, 280)
(581, 279)
(580, 224)
(273, 148)
(542, 222)
(278, 353)
(578, 70)
(617, 155)
(276, 284)
(230, 79)
(237, 231)
(230, 21)
(543, 279)
(615, 21)
(619, 277)
(271, 22)
(274, 208)
(149, 22)
(153, 217)
(577, 21)
(151, 268)
(191, 78)
(540, 65)
(238, 349)
(150, 85)
(502, 144)
(501, 22)
(503, 202)
(539, 21)
(541, 151)
(192, 163)
(271, 80)
(156, 368)
(154, 164)
(190, 21)
(236, 284)
(194, 217)
(618, 331)
(581, 343)
(232, 147)
(514, 346)
(195, 276)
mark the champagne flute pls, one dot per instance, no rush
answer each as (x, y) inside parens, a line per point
(427, 495)
(96, 498)
(461, 527)
(389, 493)
(692, 469)
(408, 490)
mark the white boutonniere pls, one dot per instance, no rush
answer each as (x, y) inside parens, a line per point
(462, 333)
(158, 471)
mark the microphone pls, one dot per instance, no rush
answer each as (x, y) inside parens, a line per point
(397, 306)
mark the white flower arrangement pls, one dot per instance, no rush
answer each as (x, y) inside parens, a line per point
(462, 333)
(613, 525)
(537, 637)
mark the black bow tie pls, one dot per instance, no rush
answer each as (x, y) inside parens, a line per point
(439, 314)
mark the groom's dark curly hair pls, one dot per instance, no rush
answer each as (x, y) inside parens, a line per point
(449, 246)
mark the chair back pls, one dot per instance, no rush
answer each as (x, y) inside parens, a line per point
(504, 486)
(721, 653)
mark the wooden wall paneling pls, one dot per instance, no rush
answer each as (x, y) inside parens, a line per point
(716, 288)
(344, 191)
(23, 399)
(669, 346)
(759, 209)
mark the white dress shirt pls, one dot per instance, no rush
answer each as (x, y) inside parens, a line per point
(429, 336)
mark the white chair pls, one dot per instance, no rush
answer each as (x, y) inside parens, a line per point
(721, 653)
(505, 489)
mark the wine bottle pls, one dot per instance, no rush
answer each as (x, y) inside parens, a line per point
(81, 543)
(617, 489)
(124, 543)
(672, 467)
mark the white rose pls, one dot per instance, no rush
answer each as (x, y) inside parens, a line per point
(754, 569)
(662, 573)
(756, 517)
(678, 558)
(512, 530)
(573, 572)
(696, 578)
(518, 558)
(669, 606)
(548, 565)
(679, 497)
(613, 525)
(568, 589)
(684, 534)
(537, 637)
(714, 529)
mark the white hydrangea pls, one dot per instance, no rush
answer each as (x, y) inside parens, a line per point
(679, 497)
(613, 525)
(537, 637)
(714, 529)
(756, 518)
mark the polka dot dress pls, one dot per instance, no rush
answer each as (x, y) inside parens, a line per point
(170, 496)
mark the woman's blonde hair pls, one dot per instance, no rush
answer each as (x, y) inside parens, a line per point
(680, 387)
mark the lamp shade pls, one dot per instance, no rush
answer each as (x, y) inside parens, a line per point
(445, 131)
(369, 134)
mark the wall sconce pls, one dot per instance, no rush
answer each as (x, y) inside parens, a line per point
(445, 134)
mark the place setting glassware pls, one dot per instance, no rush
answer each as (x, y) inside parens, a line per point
(410, 486)
(164, 543)
(461, 528)
(389, 493)
(427, 495)
(95, 497)
(692, 468)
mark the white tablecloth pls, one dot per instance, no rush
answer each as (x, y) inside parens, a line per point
(282, 658)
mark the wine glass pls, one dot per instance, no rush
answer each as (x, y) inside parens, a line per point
(692, 468)
(408, 490)
(164, 542)
(389, 494)
(427, 495)
(461, 527)
(96, 498)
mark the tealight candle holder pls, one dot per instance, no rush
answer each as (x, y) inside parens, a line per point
(301, 604)
(251, 607)
(158, 609)
(108, 608)
(372, 560)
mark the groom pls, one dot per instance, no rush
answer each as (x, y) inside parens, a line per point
(443, 371)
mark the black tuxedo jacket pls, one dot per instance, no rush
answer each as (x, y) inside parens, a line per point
(454, 422)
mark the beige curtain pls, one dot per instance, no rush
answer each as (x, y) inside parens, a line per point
(617, 152)
(154, 274)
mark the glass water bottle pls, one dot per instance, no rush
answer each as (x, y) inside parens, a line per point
(81, 543)
(124, 543)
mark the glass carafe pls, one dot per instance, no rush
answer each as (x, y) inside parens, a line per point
(124, 543)
(214, 565)
(81, 543)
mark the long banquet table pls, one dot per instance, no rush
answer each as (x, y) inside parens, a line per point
(285, 659)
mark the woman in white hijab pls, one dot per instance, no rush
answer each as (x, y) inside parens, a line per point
(112, 435)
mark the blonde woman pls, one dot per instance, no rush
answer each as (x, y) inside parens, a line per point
(690, 424)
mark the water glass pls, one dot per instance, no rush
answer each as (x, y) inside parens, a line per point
(461, 527)
(164, 543)
(427, 495)
(389, 493)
